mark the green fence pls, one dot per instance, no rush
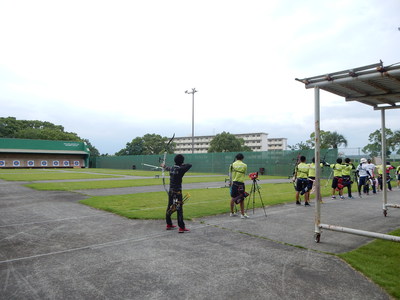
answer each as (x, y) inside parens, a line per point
(280, 163)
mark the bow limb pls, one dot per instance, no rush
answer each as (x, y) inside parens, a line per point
(164, 160)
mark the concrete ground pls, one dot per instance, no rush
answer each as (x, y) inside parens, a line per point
(52, 247)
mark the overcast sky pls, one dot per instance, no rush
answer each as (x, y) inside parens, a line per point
(111, 71)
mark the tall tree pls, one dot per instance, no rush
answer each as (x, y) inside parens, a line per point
(395, 141)
(148, 144)
(335, 140)
(328, 140)
(374, 148)
(226, 142)
(300, 146)
(92, 149)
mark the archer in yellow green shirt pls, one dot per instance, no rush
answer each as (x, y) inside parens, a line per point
(301, 178)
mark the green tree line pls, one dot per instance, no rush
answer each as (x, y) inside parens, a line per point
(334, 140)
(10, 127)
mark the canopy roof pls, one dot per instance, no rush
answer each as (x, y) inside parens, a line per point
(374, 85)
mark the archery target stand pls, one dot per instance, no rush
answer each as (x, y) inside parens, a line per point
(375, 85)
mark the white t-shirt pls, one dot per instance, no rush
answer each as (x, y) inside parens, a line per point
(370, 167)
(362, 170)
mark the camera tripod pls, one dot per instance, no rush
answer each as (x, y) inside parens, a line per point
(252, 195)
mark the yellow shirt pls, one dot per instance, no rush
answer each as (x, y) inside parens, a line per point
(337, 169)
(311, 172)
(347, 169)
(238, 169)
(302, 170)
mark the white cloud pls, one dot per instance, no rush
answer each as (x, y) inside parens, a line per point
(111, 71)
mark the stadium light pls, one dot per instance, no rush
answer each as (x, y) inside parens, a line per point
(192, 92)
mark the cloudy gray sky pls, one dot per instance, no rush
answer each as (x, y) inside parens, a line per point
(114, 70)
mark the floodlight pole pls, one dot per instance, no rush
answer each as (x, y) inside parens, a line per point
(192, 92)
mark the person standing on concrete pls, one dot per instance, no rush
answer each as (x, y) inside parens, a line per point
(380, 176)
(311, 176)
(301, 177)
(337, 178)
(363, 174)
(175, 200)
(388, 178)
(238, 171)
(371, 169)
(398, 176)
(346, 175)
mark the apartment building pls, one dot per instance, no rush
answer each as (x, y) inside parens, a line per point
(258, 141)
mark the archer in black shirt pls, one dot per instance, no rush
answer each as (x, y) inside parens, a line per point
(175, 192)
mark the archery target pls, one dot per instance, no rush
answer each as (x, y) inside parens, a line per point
(66, 163)
(76, 163)
(31, 163)
(16, 163)
(43, 163)
(2, 163)
(56, 163)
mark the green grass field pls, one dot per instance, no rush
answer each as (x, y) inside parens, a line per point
(203, 202)
(378, 260)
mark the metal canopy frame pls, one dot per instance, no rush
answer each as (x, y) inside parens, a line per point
(375, 85)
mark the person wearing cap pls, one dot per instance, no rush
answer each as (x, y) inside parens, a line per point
(175, 192)
(363, 174)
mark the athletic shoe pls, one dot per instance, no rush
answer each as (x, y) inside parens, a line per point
(233, 214)
(333, 197)
(182, 230)
(244, 216)
(298, 202)
(341, 197)
(351, 197)
(307, 204)
(170, 227)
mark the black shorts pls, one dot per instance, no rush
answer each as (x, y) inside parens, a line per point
(335, 182)
(301, 184)
(237, 189)
(310, 182)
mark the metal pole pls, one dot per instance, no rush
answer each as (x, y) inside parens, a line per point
(193, 122)
(377, 235)
(317, 156)
(192, 92)
(383, 154)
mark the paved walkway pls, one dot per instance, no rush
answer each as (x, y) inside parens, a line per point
(55, 248)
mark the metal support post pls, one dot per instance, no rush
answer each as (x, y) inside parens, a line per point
(317, 156)
(383, 155)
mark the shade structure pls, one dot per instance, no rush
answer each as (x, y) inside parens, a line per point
(375, 85)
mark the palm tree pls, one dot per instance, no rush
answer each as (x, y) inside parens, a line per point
(335, 140)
